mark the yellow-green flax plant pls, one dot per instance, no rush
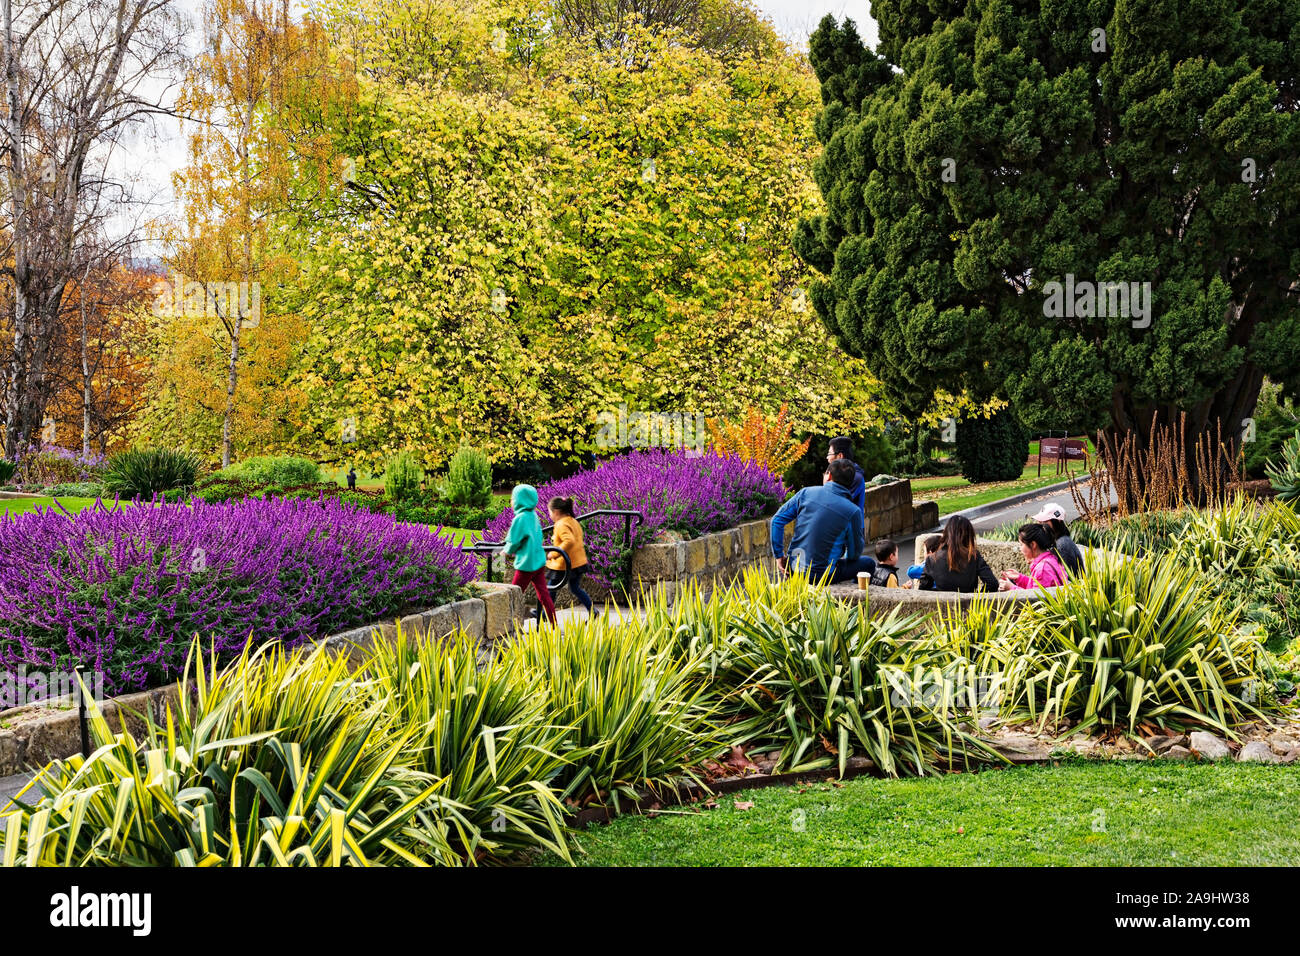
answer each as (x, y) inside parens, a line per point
(1133, 642)
(641, 719)
(276, 760)
(832, 683)
(482, 731)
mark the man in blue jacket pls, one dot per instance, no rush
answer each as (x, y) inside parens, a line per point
(828, 533)
(841, 449)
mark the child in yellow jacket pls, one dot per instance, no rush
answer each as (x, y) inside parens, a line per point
(567, 535)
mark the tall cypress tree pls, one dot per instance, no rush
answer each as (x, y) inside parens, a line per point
(988, 149)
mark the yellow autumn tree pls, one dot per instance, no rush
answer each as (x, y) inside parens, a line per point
(516, 230)
(227, 273)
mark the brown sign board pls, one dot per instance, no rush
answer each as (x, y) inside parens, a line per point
(1062, 451)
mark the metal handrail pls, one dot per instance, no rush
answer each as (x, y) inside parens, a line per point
(630, 518)
(490, 548)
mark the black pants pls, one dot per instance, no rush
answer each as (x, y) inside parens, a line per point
(846, 569)
(575, 585)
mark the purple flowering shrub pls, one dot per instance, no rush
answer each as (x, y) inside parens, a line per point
(690, 495)
(123, 590)
(45, 465)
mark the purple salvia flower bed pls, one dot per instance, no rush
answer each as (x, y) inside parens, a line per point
(123, 590)
(690, 495)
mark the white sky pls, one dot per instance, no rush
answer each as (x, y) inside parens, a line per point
(795, 19)
(154, 158)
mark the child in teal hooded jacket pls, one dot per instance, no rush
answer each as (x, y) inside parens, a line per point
(524, 544)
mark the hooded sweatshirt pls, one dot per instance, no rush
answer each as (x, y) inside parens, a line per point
(524, 542)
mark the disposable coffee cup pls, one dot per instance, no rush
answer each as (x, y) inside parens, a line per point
(863, 578)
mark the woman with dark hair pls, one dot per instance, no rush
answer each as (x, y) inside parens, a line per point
(1045, 568)
(567, 535)
(957, 565)
(1053, 518)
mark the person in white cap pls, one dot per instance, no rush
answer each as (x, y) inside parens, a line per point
(1053, 516)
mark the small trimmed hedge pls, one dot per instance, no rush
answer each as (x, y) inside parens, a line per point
(992, 449)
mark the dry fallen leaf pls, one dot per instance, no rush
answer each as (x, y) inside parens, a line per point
(738, 760)
(744, 804)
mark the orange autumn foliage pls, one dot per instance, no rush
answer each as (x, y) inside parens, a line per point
(769, 442)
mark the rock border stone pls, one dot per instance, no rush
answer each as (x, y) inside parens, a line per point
(667, 567)
(52, 730)
(999, 555)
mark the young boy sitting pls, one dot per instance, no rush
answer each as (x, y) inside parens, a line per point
(914, 571)
(886, 573)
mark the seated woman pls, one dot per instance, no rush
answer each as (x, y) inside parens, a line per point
(957, 565)
(1053, 518)
(1045, 568)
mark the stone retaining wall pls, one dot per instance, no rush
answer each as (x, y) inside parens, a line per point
(721, 556)
(491, 617)
(889, 510)
(33, 735)
(1000, 555)
(668, 566)
(884, 601)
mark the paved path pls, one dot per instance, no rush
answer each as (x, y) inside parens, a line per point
(571, 616)
(1020, 512)
(9, 786)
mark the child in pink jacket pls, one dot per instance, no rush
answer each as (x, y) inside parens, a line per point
(1045, 568)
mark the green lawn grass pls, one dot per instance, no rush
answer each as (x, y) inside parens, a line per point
(1079, 813)
(339, 476)
(461, 535)
(955, 493)
(984, 494)
(15, 506)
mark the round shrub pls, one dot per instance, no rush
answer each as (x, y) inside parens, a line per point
(275, 470)
(469, 479)
(148, 472)
(992, 449)
(76, 489)
(402, 478)
(217, 488)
